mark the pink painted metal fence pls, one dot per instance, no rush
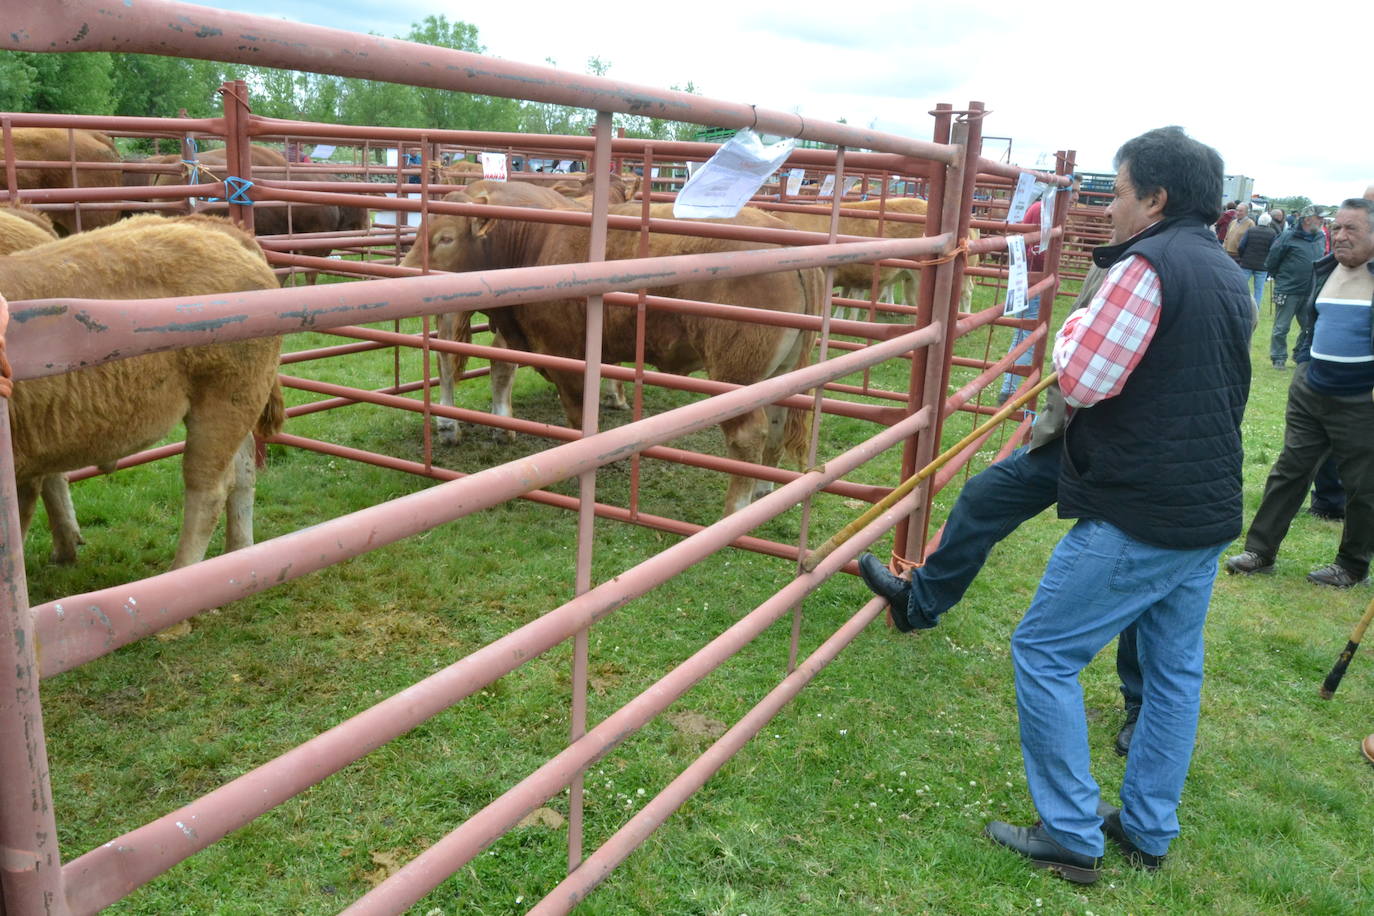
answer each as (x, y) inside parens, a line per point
(58, 335)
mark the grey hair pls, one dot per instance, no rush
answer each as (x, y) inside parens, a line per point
(1360, 203)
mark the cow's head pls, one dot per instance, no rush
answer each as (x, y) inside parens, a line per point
(455, 242)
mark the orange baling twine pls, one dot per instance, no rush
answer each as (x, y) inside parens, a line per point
(960, 251)
(6, 373)
(813, 559)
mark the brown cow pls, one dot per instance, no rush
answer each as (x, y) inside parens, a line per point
(459, 172)
(729, 351)
(23, 227)
(223, 392)
(456, 325)
(854, 280)
(55, 144)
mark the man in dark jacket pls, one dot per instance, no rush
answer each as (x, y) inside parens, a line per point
(1289, 262)
(1254, 248)
(1329, 407)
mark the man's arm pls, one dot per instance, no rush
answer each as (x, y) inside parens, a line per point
(1099, 346)
(1276, 254)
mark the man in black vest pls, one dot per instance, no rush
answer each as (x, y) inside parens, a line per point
(1157, 370)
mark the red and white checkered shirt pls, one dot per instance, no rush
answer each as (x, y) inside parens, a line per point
(1100, 344)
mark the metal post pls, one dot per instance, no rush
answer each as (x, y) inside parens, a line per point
(918, 392)
(30, 865)
(955, 215)
(586, 512)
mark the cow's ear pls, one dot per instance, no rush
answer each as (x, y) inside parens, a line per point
(481, 225)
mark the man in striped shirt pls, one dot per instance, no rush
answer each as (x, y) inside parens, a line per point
(1157, 370)
(1329, 408)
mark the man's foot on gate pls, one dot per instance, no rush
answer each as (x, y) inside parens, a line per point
(895, 589)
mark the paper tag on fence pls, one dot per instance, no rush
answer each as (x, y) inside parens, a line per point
(794, 180)
(1046, 220)
(1027, 190)
(724, 184)
(493, 166)
(1016, 276)
(828, 186)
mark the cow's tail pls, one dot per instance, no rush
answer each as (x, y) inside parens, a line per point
(796, 436)
(273, 414)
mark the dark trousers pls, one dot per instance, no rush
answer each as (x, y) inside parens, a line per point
(992, 504)
(1313, 425)
(1328, 495)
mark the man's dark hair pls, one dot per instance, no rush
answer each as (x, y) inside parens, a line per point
(1190, 172)
(1360, 203)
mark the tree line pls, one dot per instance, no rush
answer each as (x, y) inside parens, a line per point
(141, 85)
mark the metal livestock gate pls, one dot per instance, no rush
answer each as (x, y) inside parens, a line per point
(59, 335)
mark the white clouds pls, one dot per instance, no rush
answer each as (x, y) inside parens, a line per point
(1077, 74)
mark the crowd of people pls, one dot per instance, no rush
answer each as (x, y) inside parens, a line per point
(1139, 444)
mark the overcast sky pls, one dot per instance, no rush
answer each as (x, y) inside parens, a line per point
(1273, 91)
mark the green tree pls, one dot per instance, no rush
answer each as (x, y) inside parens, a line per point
(80, 83)
(450, 110)
(1291, 204)
(18, 80)
(147, 85)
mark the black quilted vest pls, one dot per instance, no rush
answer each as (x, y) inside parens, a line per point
(1162, 460)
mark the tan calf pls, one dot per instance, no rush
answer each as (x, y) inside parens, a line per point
(223, 392)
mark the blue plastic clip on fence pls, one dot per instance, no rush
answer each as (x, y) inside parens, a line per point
(238, 191)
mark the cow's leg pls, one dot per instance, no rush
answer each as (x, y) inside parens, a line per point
(216, 426)
(746, 437)
(502, 384)
(452, 326)
(569, 385)
(772, 449)
(66, 534)
(26, 492)
(614, 398)
(238, 505)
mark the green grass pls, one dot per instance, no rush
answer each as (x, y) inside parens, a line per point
(867, 794)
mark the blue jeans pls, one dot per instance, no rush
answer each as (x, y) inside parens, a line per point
(1099, 581)
(992, 504)
(1259, 278)
(1011, 381)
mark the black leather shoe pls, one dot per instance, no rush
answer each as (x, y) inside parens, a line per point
(1249, 562)
(1111, 826)
(896, 590)
(1334, 575)
(1123, 737)
(1036, 844)
(1326, 515)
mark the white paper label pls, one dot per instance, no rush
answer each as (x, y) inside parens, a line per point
(323, 151)
(493, 166)
(827, 187)
(724, 184)
(1021, 199)
(1046, 220)
(1016, 276)
(794, 180)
